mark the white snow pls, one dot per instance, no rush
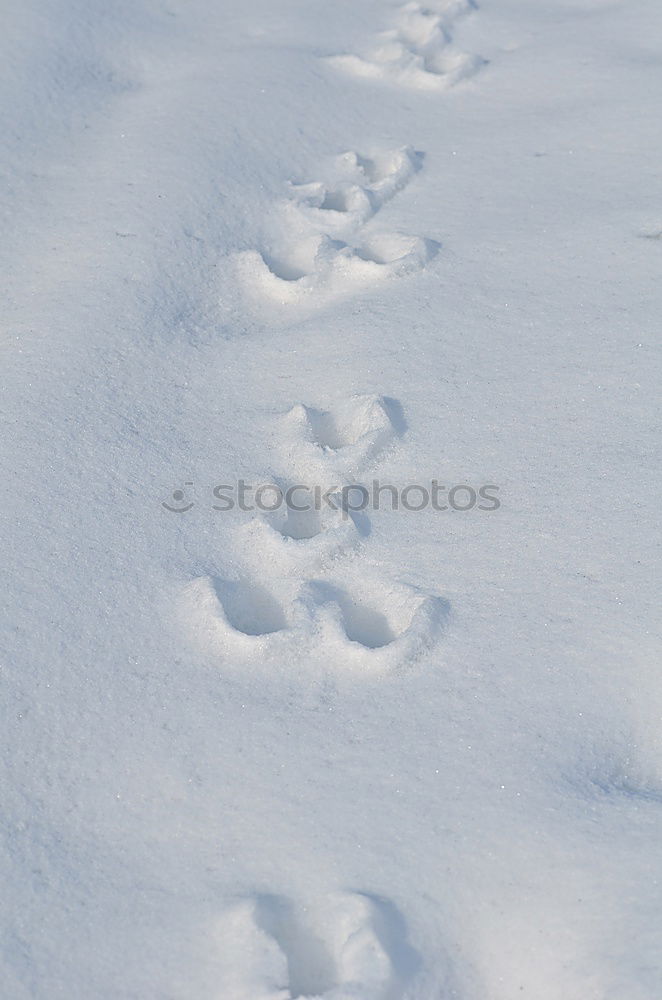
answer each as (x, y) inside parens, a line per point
(365, 754)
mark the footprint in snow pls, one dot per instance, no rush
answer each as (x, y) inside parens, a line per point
(323, 452)
(373, 623)
(303, 540)
(354, 188)
(300, 597)
(337, 443)
(317, 269)
(349, 946)
(320, 249)
(418, 51)
(356, 619)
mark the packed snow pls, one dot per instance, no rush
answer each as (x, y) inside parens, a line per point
(330, 644)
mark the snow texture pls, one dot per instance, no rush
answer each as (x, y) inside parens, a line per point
(335, 753)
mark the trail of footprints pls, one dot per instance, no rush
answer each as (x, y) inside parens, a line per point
(301, 583)
(321, 245)
(321, 248)
(418, 51)
(305, 590)
(349, 946)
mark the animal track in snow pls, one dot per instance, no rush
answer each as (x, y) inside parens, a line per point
(318, 268)
(337, 443)
(320, 249)
(418, 51)
(355, 187)
(302, 541)
(376, 625)
(241, 614)
(318, 599)
(360, 622)
(348, 946)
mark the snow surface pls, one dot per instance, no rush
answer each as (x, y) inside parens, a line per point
(372, 757)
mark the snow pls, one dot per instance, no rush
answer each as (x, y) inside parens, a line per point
(350, 755)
